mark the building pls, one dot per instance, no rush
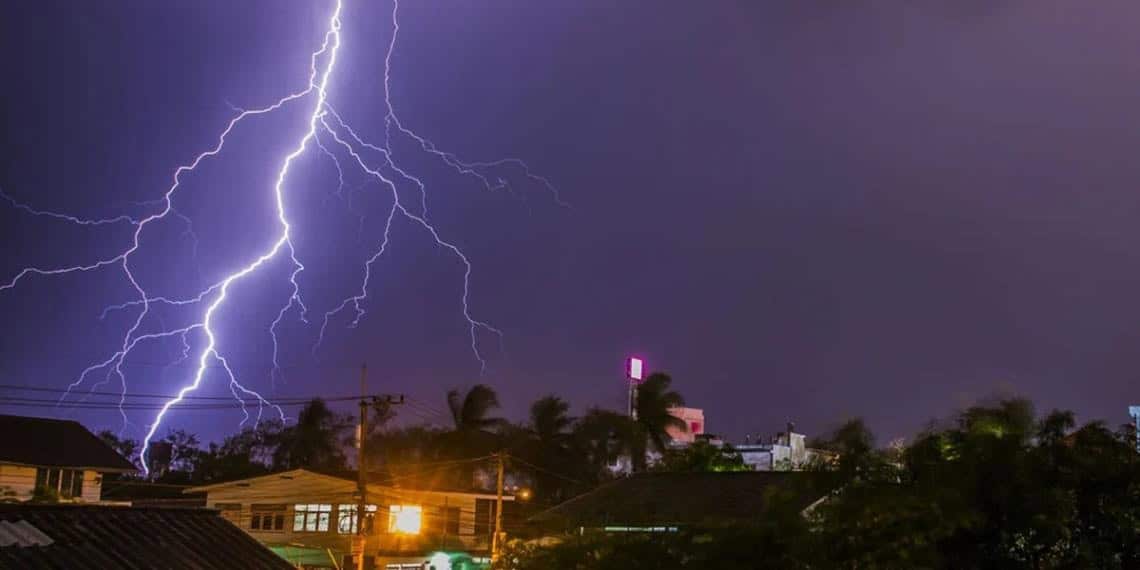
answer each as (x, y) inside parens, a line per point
(665, 502)
(787, 451)
(60, 458)
(303, 515)
(694, 419)
(97, 537)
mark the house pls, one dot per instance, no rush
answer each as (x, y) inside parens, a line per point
(666, 502)
(302, 514)
(79, 537)
(61, 458)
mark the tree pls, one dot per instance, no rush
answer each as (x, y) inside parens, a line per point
(314, 442)
(654, 400)
(599, 439)
(126, 447)
(701, 456)
(471, 411)
(548, 445)
(997, 489)
(550, 420)
(241, 455)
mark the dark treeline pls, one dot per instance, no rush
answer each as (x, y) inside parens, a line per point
(997, 487)
(557, 454)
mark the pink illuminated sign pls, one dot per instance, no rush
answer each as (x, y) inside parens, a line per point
(635, 369)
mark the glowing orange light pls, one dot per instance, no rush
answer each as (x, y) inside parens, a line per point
(405, 519)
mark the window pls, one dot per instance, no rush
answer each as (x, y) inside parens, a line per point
(230, 512)
(346, 519)
(311, 518)
(484, 516)
(450, 520)
(267, 518)
(68, 483)
(405, 519)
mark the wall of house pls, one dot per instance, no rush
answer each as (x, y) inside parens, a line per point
(19, 482)
(694, 419)
(238, 501)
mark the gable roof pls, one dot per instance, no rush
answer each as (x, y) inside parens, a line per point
(56, 443)
(680, 499)
(89, 536)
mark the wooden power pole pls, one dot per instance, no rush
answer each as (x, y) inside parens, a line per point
(361, 537)
(497, 538)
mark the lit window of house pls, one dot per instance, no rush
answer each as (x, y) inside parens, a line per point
(66, 483)
(346, 519)
(267, 518)
(311, 518)
(405, 519)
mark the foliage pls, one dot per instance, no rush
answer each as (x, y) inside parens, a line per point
(997, 487)
(314, 442)
(44, 494)
(761, 546)
(701, 456)
(471, 411)
(654, 399)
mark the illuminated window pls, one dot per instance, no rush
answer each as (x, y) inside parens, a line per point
(346, 519)
(267, 518)
(405, 519)
(311, 518)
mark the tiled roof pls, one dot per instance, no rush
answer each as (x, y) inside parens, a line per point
(83, 537)
(56, 443)
(680, 499)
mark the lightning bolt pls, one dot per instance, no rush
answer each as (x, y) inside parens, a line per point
(325, 126)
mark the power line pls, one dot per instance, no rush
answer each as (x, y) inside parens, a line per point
(168, 396)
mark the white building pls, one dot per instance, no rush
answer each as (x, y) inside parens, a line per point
(787, 451)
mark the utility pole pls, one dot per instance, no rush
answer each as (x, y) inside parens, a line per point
(361, 537)
(497, 538)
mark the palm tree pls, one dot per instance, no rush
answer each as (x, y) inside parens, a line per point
(549, 420)
(314, 441)
(547, 445)
(471, 411)
(654, 400)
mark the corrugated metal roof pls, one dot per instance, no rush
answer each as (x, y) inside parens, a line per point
(21, 533)
(56, 443)
(83, 537)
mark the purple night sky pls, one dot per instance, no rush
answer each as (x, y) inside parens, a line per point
(803, 211)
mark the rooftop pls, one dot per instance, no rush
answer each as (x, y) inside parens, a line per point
(56, 443)
(98, 537)
(655, 499)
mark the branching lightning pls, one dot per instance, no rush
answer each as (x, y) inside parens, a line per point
(327, 130)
